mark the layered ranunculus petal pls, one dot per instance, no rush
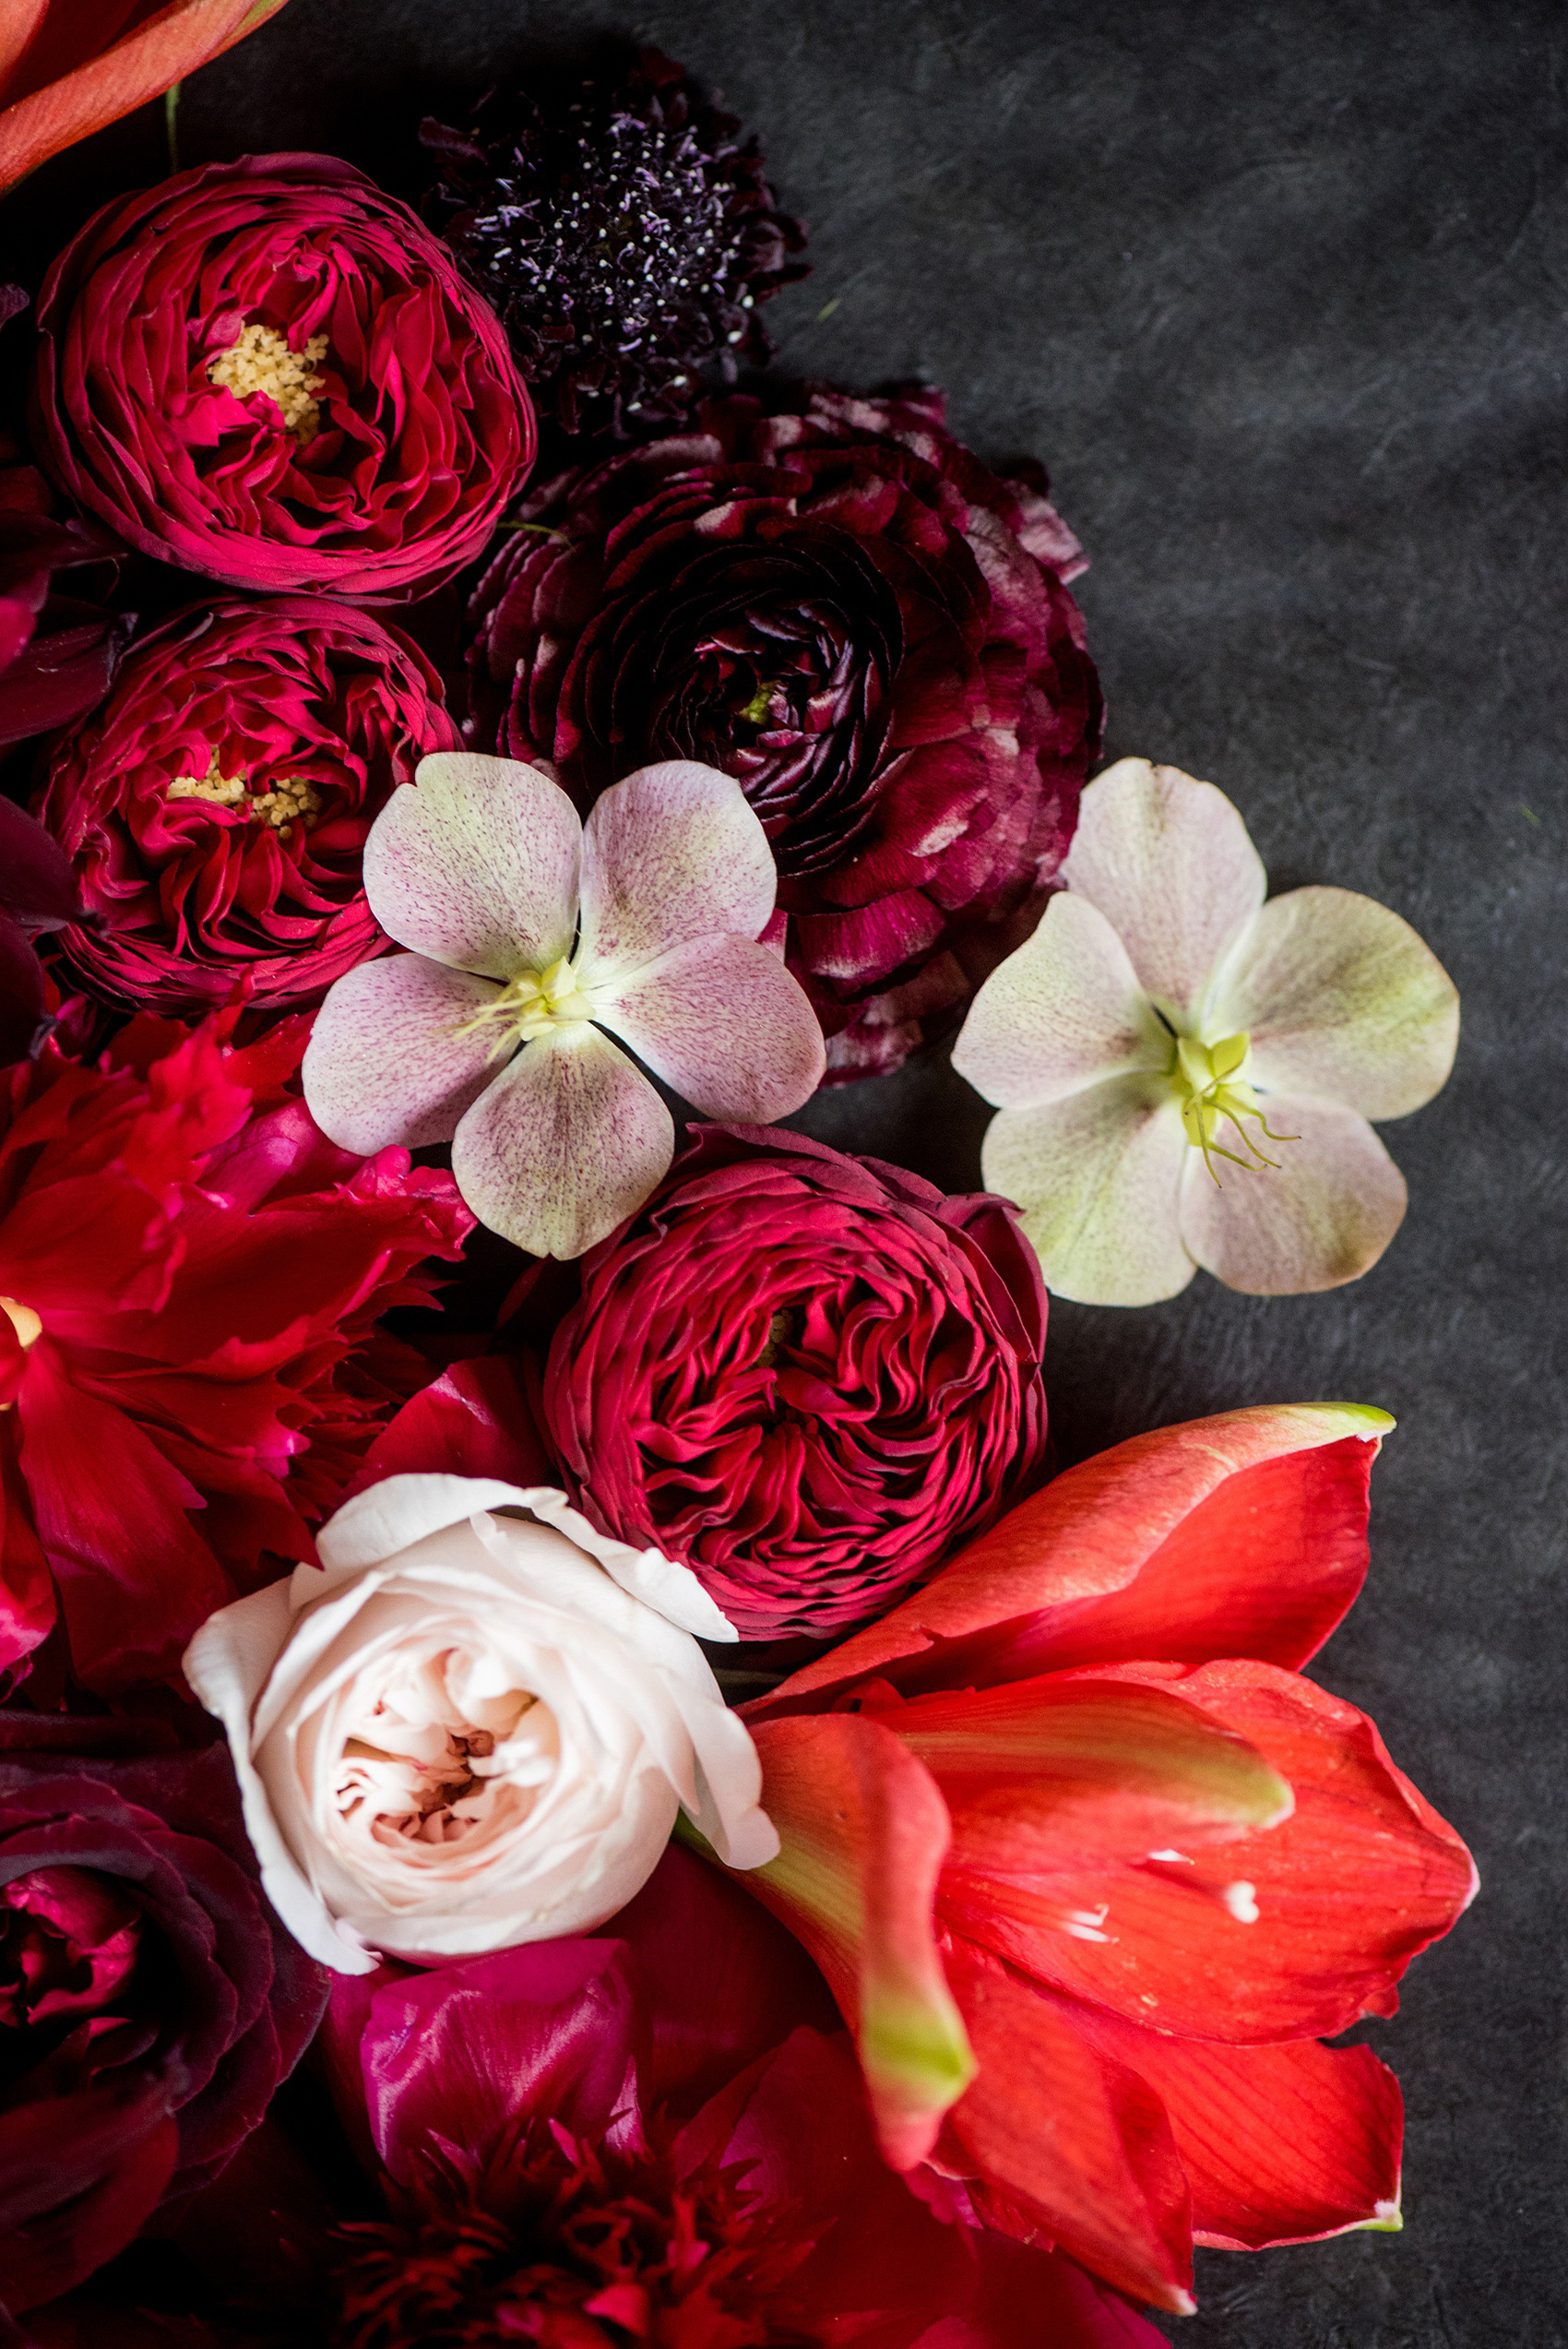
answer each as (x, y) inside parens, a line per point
(721, 1020)
(1096, 1178)
(1321, 1216)
(1169, 864)
(567, 1144)
(1063, 1011)
(670, 854)
(1342, 1002)
(387, 1061)
(477, 866)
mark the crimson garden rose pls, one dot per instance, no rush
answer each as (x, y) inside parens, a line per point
(270, 373)
(217, 804)
(845, 610)
(806, 1377)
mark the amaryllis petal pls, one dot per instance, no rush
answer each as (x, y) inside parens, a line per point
(1063, 1011)
(1168, 862)
(477, 864)
(567, 1142)
(721, 1020)
(386, 1061)
(862, 1830)
(1341, 1000)
(674, 853)
(1321, 1216)
(1096, 1178)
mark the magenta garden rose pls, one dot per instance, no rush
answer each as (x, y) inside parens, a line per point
(216, 805)
(843, 609)
(270, 373)
(806, 1376)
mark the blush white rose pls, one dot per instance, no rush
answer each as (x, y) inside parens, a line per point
(463, 1734)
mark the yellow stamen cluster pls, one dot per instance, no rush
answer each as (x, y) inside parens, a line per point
(283, 804)
(1212, 1091)
(262, 360)
(529, 1003)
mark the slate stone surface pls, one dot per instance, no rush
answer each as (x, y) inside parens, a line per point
(1280, 293)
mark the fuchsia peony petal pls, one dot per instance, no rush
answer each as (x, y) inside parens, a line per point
(1063, 1011)
(1322, 1216)
(672, 854)
(722, 1021)
(477, 866)
(385, 1063)
(1096, 1178)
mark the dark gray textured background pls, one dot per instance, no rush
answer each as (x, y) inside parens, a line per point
(1280, 293)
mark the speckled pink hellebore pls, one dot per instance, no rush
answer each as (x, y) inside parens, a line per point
(531, 935)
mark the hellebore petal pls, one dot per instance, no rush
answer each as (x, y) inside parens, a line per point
(1063, 1011)
(1169, 862)
(862, 1832)
(672, 853)
(1321, 1217)
(1342, 1000)
(476, 864)
(386, 1062)
(1096, 1180)
(722, 1021)
(568, 1141)
(1245, 1533)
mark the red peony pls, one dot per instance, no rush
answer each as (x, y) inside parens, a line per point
(1092, 1869)
(190, 1369)
(268, 372)
(846, 611)
(806, 1377)
(217, 804)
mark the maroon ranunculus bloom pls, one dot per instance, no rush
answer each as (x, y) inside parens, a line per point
(149, 2001)
(216, 805)
(272, 374)
(844, 609)
(807, 1376)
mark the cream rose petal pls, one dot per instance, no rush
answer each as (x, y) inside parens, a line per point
(722, 1021)
(475, 864)
(386, 1062)
(1168, 862)
(1342, 1000)
(567, 1144)
(1098, 1177)
(1321, 1218)
(1064, 1010)
(672, 854)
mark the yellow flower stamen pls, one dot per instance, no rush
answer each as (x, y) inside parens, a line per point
(529, 1005)
(283, 804)
(1212, 1091)
(263, 361)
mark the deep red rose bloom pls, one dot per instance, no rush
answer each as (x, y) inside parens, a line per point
(216, 805)
(657, 2132)
(270, 373)
(149, 2001)
(1092, 1868)
(846, 611)
(190, 1278)
(807, 1376)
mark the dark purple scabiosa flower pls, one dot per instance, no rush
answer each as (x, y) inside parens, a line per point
(626, 235)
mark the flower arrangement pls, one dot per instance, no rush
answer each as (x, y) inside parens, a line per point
(532, 1596)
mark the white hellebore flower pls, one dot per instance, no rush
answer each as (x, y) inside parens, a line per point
(1184, 1074)
(464, 1734)
(532, 934)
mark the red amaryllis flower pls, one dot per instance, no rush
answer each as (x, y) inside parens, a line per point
(270, 373)
(806, 1377)
(149, 2001)
(658, 2133)
(1090, 1869)
(846, 611)
(216, 807)
(190, 1277)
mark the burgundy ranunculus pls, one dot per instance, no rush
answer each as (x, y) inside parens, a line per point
(270, 373)
(217, 804)
(805, 1375)
(846, 611)
(149, 2001)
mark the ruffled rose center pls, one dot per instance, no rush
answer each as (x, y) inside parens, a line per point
(1208, 1082)
(289, 801)
(428, 1761)
(262, 360)
(68, 1940)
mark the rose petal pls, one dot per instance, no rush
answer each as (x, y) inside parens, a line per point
(1062, 1012)
(1341, 1000)
(722, 1021)
(1097, 1179)
(565, 1144)
(476, 864)
(385, 1062)
(1320, 1218)
(672, 853)
(1168, 862)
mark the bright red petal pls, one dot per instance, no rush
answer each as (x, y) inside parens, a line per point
(473, 1421)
